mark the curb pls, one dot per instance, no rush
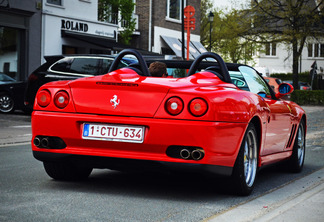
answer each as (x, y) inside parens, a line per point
(279, 202)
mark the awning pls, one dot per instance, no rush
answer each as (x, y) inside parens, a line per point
(174, 44)
(195, 48)
(193, 52)
(199, 47)
(95, 40)
(104, 42)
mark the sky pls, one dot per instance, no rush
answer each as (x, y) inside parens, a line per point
(229, 3)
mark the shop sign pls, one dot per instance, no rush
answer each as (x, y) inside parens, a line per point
(74, 26)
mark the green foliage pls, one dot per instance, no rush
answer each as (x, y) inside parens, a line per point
(287, 21)
(228, 35)
(108, 9)
(305, 97)
(303, 77)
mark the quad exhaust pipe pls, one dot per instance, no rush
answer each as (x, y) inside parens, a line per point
(41, 142)
(44, 142)
(49, 142)
(37, 141)
(196, 154)
(185, 154)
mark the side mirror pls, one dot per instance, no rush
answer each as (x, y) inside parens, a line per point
(284, 89)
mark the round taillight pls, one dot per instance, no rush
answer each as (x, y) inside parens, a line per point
(43, 98)
(198, 107)
(174, 106)
(61, 99)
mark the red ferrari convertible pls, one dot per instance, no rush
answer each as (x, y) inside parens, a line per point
(224, 119)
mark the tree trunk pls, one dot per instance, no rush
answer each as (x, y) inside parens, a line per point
(295, 63)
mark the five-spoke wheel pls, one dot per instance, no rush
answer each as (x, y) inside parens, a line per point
(246, 164)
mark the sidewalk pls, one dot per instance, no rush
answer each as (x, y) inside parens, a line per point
(301, 200)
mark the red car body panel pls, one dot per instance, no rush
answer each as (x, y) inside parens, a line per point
(220, 143)
(142, 103)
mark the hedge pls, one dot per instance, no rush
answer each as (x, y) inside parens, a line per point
(318, 82)
(302, 77)
(305, 97)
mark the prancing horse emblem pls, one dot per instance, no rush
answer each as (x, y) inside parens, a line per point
(115, 101)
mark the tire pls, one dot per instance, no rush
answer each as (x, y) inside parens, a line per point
(7, 104)
(66, 171)
(246, 164)
(296, 161)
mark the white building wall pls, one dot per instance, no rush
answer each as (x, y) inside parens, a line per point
(282, 62)
(78, 9)
(72, 12)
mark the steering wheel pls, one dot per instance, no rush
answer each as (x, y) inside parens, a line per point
(139, 57)
(223, 68)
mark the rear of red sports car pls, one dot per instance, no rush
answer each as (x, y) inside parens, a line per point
(122, 115)
(128, 119)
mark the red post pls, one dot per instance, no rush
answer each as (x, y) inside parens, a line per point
(189, 23)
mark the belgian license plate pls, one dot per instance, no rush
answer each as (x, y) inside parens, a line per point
(121, 133)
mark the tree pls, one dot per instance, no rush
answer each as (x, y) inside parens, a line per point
(229, 35)
(205, 6)
(108, 11)
(288, 21)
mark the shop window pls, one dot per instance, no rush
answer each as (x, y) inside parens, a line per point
(174, 9)
(9, 51)
(271, 49)
(54, 2)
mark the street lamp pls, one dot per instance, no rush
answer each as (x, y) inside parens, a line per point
(210, 19)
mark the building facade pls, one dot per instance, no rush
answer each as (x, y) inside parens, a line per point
(160, 27)
(20, 38)
(32, 29)
(72, 27)
(277, 57)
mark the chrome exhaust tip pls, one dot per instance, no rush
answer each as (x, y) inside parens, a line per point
(37, 141)
(197, 154)
(185, 154)
(44, 142)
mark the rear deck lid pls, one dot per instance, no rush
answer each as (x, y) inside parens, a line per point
(124, 93)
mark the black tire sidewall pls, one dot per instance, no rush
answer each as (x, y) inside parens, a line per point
(294, 165)
(238, 175)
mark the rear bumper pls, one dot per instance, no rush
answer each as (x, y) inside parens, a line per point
(219, 140)
(131, 164)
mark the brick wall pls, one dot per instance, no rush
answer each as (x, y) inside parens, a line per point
(159, 10)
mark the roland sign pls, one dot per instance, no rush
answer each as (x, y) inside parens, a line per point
(74, 26)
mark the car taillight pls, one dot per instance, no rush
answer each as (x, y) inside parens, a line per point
(61, 99)
(174, 106)
(198, 107)
(44, 98)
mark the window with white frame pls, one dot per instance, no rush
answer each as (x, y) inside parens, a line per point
(54, 2)
(271, 49)
(174, 9)
(315, 50)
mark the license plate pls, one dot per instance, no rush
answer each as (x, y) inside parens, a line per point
(121, 133)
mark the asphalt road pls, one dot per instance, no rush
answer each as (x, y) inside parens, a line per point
(28, 194)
